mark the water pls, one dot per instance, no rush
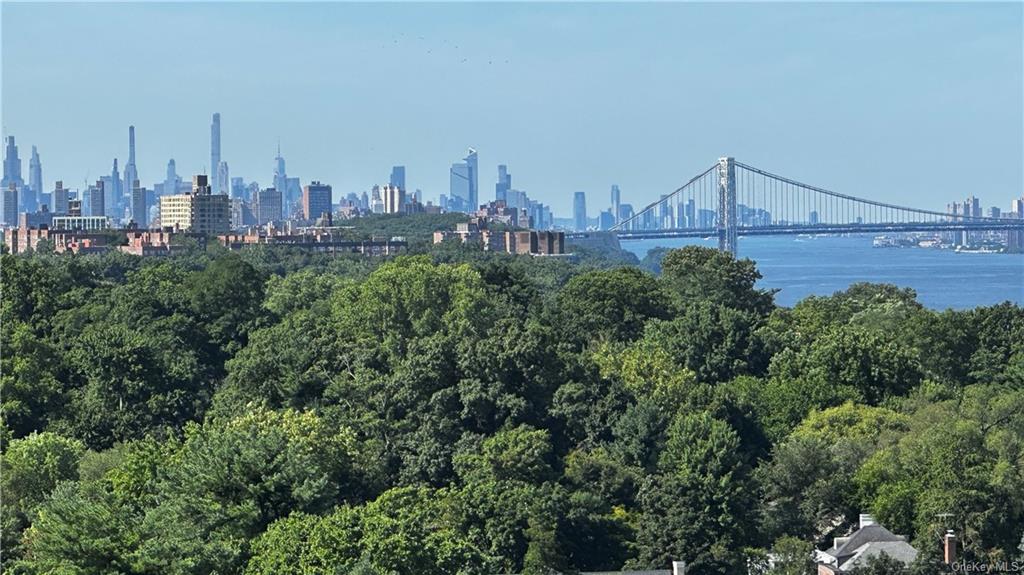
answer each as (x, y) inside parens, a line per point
(803, 266)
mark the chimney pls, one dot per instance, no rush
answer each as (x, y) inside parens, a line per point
(679, 568)
(865, 520)
(949, 548)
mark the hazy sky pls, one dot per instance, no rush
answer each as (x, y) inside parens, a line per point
(912, 103)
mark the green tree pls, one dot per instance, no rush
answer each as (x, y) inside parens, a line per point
(613, 304)
(229, 481)
(302, 544)
(696, 509)
(793, 556)
(33, 467)
(80, 530)
(697, 274)
(961, 457)
(29, 379)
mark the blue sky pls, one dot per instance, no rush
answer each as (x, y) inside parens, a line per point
(915, 103)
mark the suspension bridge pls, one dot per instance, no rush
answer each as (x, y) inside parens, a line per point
(731, 199)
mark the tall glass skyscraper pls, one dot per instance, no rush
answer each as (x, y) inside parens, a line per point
(130, 173)
(35, 181)
(12, 165)
(398, 176)
(171, 181)
(579, 210)
(464, 184)
(616, 202)
(504, 184)
(215, 154)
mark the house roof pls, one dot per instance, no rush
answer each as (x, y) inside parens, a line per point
(873, 533)
(899, 550)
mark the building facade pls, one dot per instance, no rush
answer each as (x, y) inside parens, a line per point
(398, 177)
(316, 200)
(200, 212)
(268, 206)
(463, 184)
(215, 155)
(579, 211)
(392, 199)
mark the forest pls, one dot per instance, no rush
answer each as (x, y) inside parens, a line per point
(462, 412)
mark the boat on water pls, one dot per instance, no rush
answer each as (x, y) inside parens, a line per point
(979, 250)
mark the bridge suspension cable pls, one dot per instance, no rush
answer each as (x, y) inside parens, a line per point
(731, 198)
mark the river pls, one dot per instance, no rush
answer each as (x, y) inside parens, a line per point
(821, 265)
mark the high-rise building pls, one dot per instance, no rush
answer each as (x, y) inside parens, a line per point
(223, 179)
(215, 155)
(1015, 238)
(97, 205)
(316, 200)
(393, 199)
(268, 206)
(616, 202)
(140, 207)
(60, 199)
(280, 175)
(199, 211)
(35, 181)
(172, 179)
(293, 196)
(464, 184)
(398, 176)
(579, 211)
(112, 198)
(376, 201)
(10, 207)
(504, 183)
(12, 165)
(130, 172)
(12, 175)
(626, 213)
(238, 189)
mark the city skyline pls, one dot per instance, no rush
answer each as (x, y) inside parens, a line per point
(827, 122)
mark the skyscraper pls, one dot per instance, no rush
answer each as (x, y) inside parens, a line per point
(238, 189)
(268, 206)
(215, 155)
(171, 181)
(393, 198)
(198, 211)
(140, 211)
(316, 200)
(616, 202)
(464, 184)
(280, 176)
(113, 197)
(293, 192)
(398, 176)
(474, 180)
(222, 180)
(10, 204)
(35, 180)
(60, 199)
(130, 172)
(12, 175)
(504, 184)
(579, 210)
(97, 200)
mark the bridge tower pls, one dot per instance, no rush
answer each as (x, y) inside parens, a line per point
(727, 205)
